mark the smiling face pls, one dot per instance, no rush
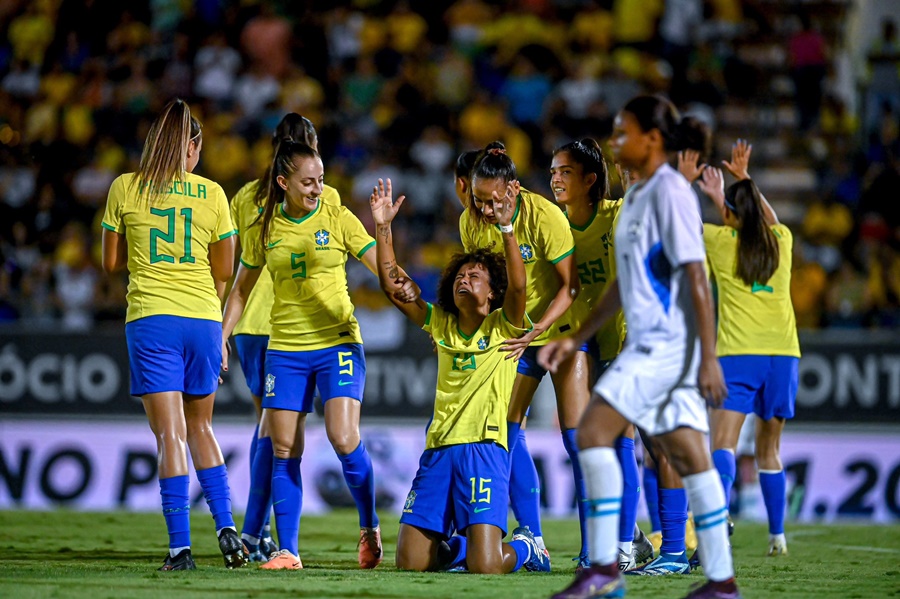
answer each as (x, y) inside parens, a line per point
(568, 181)
(482, 196)
(303, 187)
(472, 286)
(630, 145)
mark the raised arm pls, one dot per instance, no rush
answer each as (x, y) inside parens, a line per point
(712, 183)
(739, 165)
(516, 286)
(384, 209)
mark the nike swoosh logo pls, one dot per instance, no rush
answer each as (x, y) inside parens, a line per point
(478, 510)
(342, 383)
(273, 244)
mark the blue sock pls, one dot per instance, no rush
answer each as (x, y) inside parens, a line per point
(525, 487)
(360, 478)
(631, 487)
(287, 495)
(253, 445)
(176, 507)
(259, 502)
(523, 552)
(214, 482)
(773, 490)
(673, 518)
(724, 462)
(651, 496)
(512, 435)
(571, 446)
(458, 548)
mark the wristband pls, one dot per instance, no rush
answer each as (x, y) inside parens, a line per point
(506, 228)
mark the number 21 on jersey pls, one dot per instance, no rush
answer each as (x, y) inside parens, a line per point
(169, 234)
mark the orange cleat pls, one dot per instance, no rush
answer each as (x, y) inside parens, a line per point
(282, 560)
(370, 552)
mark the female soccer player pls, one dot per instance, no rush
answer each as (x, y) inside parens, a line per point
(668, 365)
(463, 187)
(750, 260)
(579, 180)
(315, 339)
(462, 481)
(547, 248)
(251, 337)
(172, 230)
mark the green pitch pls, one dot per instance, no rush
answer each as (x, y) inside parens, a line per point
(65, 554)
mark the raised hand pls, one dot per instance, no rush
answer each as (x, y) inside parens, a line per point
(689, 165)
(384, 208)
(712, 183)
(504, 206)
(740, 160)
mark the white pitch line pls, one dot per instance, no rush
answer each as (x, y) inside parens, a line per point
(796, 536)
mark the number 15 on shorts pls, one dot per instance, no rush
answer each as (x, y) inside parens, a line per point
(483, 494)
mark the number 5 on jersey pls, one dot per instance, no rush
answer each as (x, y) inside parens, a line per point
(169, 234)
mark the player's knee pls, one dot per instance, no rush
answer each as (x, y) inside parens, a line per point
(479, 563)
(343, 442)
(170, 437)
(405, 560)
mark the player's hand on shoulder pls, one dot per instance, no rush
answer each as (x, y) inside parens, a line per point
(516, 347)
(555, 353)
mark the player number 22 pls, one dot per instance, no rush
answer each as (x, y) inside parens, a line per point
(169, 236)
(483, 490)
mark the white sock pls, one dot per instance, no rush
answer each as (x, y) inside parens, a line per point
(219, 531)
(176, 550)
(625, 547)
(539, 541)
(707, 500)
(603, 482)
(778, 537)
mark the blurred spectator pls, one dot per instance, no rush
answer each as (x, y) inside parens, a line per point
(216, 67)
(884, 74)
(808, 59)
(31, 33)
(266, 39)
(848, 299)
(76, 279)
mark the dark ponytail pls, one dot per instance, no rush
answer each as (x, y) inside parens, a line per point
(758, 252)
(694, 134)
(587, 153)
(292, 127)
(282, 166)
(491, 163)
(464, 164)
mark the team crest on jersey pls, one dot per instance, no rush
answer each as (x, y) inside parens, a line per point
(410, 500)
(484, 342)
(634, 229)
(322, 237)
(527, 252)
(270, 385)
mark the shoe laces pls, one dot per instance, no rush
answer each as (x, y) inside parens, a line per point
(369, 536)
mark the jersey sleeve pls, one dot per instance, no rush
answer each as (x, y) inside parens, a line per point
(432, 312)
(681, 228)
(613, 270)
(356, 239)
(330, 196)
(224, 227)
(112, 216)
(252, 255)
(508, 329)
(556, 235)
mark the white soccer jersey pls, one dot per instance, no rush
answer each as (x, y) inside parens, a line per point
(660, 230)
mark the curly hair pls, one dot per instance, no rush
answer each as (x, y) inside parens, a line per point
(493, 262)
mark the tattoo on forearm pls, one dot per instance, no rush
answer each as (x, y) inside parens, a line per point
(393, 270)
(384, 231)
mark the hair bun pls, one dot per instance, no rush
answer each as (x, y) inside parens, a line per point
(497, 151)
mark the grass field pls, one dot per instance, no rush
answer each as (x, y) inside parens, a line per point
(66, 554)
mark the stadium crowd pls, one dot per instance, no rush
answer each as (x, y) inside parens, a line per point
(400, 92)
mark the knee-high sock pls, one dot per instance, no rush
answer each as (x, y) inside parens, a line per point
(214, 482)
(571, 446)
(724, 461)
(259, 502)
(360, 478)
(176, 508)
(631, 488)
(457, 553)
(673, 518)
(651, 497)
(773, 484)
(287, 495)
(254, 444)
(525, 487)
(711, 520)
(523, 553)
(603, 481)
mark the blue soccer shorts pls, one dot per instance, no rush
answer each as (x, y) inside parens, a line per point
(764, 385)
(251, 351)
(292, 376)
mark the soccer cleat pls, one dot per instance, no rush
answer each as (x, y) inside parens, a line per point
(664, 565)
(690, 533)
(254, 554)
(282, 560)
(584, 562)
(626, 561)
(777, 546)
(233, 550)
(182, 561)
(655, 538)
(594, 582)
(715, 590)
(370, 551)
(643, 548)
(267, 547)
(694, 561)
(730, 526)
(538, 559)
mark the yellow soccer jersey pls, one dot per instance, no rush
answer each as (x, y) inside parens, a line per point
(475, 380)
(757, 319)
(595, 257)
(307, 259)
(244, 214)
(168, 245)
(544, 239)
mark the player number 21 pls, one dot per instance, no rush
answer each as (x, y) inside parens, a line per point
(483, 489)
(169, 236)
